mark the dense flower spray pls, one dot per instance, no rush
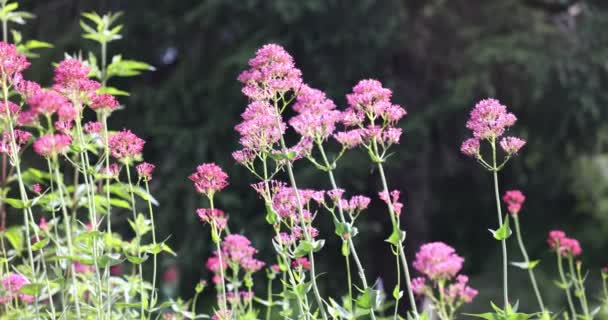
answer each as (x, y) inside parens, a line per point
(126, 146)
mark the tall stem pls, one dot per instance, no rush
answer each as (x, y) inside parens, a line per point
(142, 291)
(562, 276)
(400, 250)
(68, 231)
(503, 242)
(308, 238)
(154, 260)
(351, 243)
(269, 308)
(524, 253)
(217, 241)
(579, 287)
(104, 118)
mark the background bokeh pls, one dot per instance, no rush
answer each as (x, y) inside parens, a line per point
(545, 59)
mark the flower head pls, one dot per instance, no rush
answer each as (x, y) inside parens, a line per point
(47, 102)
(302, 263)
(144, 171)
(12, 63)
(104, 102)
(437, 260)
(511, 145)
(317, 117)
(460, 291)
(93, 127)
(470, 147)
(259, 130)
(125, 145)
(71, 79)
(490, 118)
(419, 286)
(559, 242)
(214, 216)
(514, 200)
(272, 71)
(209, 178)
(392, 199)
(52, 144)
(12, 283)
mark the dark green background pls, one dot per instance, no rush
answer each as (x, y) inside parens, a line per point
(545, 59)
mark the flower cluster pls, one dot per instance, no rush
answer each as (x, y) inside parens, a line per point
(392, 199)
(209, 178)
(259, 130)
(488, 121)
(437, 260)
(12, 284)
(514, 200)
(145, 170)
(12, 63)
(236, 252)
(215, 217)
(559, 242)
(371, 116)
(125, 145)
(50, 145)
(316, 114)
(71, 79)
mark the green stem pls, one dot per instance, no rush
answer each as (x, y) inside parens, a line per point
(503, 242)
(400, 250)
(269, 308)
(194, 300)
(142, 291)
(579, 286)
(109, 209)
(349, 282)
(154, 260)
(562, 276)
(68, 231)
(219, 255)
(308, 238)
(351, 244)
(398, 285)
(524, 253)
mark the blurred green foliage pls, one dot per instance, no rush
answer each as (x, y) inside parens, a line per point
(545, 59)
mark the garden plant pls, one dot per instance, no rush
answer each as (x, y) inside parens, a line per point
(84, 245)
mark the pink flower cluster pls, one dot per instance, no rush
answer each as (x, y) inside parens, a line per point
(236, 251)
(125, 145)
(52, 144)
(392, 199)
(71, 79)
(437, 260)
(145, 170)
(285, 203)
(489, 120)
(104, 102)
(272, 72)
(259, 130)
(11, 284)
(439, 263)
(216, 217)
(12, 63)
(514, 200)
(302, 263)
(559, 242)
(371, 116)
(21, 139)
(316, 114)
(209, 178)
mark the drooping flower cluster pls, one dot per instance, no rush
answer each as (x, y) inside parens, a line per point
(514, 200)
(125, 145)
(371, 116)
(392, 199)
(215, 217)
(559, 242)
(489, 120)
(209, 178)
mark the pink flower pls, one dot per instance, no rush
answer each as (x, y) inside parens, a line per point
(144, 170)
(93, 127)
(511, 145)
(272, 71)
(317, 117)
(244, 156)
(222, 315)
(37, 188)
(437, 260)
(171, 274)
(459, 291)
(104, 102)
(26, 88)
(419, 286)
(64, 127)
(213, 264)
(236, 247)
(27, 118)
(11, 61)
(52, 144)
(358, 203)
(42, 224)
(117, 270)
(47, 102)
(301, 262)
(111, 171)
(392, 200)
(71, 79)
(82, 268)
(215, 217)
(489, 119)
(275, 268)
(284, 239)
(555, 236)
(252, 265)
(350, 139)
(558, 241)
(470, 147)
(514, 200)
(13, 282)
(125, 145)
(209, 178)
(259, 130)
(21, 139)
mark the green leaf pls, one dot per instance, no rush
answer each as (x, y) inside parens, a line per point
(113, 91)
(526, 265)
(32, 289)
(15, 203)
(397, 294)
(367, 299)
(304, 248)
(345, 249)
(271, 214)
(503, 232)
(40, 244)
(14, 235)
(109, 259)
(396, 237)
(136, 259)
(487, 316)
